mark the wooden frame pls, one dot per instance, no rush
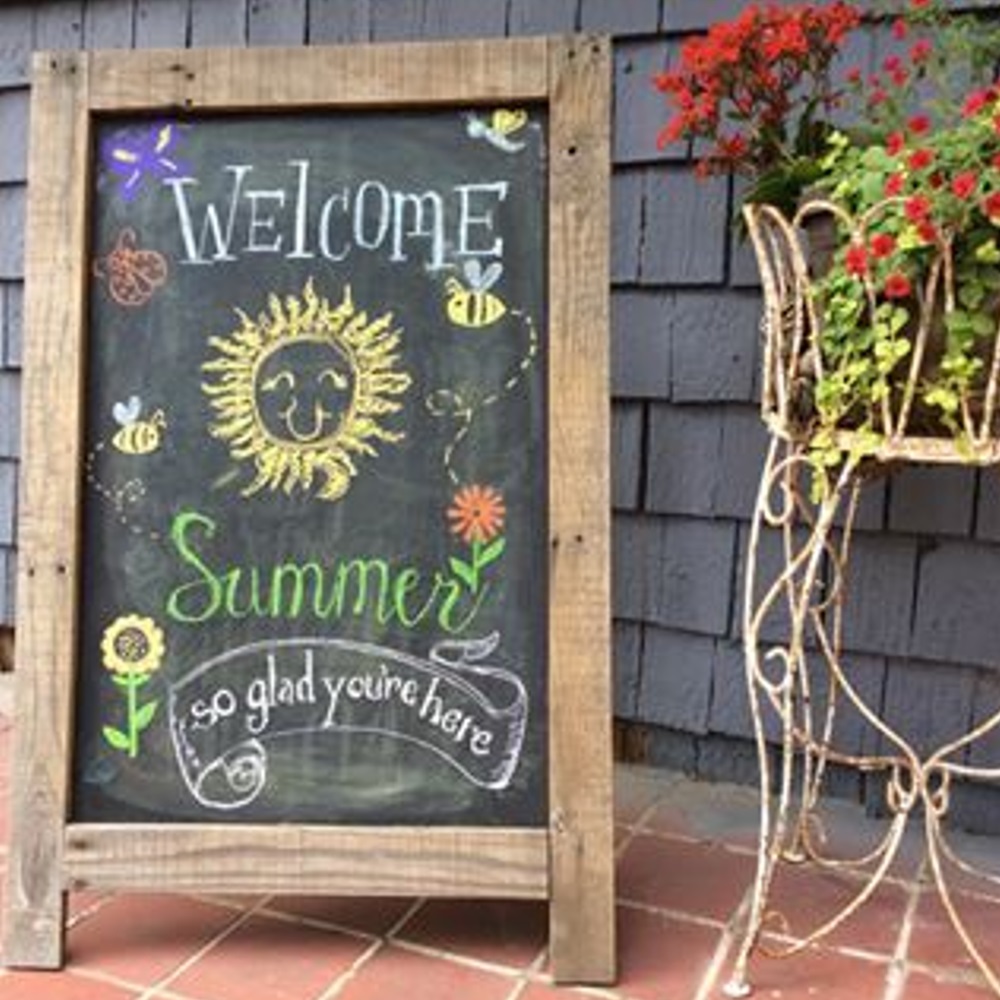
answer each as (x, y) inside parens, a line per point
(571, 862)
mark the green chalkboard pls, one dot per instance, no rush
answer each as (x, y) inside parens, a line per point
(314, 568)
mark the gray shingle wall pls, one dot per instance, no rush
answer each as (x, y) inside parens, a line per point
(922, 625)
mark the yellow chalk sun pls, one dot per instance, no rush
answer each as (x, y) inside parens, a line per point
(302, 389)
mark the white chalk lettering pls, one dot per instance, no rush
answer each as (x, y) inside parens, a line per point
(210, 226)
(263, 222)
(467, 220)
(301, 218)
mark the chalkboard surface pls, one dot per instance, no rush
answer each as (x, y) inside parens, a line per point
(314, 566)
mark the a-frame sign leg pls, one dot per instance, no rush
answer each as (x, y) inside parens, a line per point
(55, 264)
(582, 914)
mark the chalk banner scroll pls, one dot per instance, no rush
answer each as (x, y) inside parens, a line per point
(470, 714)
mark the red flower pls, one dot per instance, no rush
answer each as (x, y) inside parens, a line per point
(877, 97)
(853, 75)
(897, 286)
(919, 124)
(920, 51)
(899, 29)
(963, 185)
(900, 76)
(882, 245)
(975, 102)
(893, 62)
(917, 207)
(920, 159)
(895, 143)
(731, 147)
(995, 161)
(991, 205)
(927, 231)
(919, 3)
(894, 185)
(856, 259)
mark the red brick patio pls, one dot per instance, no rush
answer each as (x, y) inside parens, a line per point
(685, 863)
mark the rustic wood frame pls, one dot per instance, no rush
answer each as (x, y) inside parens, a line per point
(571, 862)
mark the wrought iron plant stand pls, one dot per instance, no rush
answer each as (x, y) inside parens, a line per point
(808, 592)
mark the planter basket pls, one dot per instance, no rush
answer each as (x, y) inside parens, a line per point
(792, 326)
(794, 598)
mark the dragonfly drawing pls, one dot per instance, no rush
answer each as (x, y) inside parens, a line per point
(134, 156)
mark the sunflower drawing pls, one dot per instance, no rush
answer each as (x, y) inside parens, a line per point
(132, 649)
(476, 515)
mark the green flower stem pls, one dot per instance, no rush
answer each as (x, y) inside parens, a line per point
(134, 683)
(477, 548)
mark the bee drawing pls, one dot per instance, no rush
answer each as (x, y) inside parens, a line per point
(137, 436)
(471, 304)
(498, 128)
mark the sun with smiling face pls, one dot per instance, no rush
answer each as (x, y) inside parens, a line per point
(302, 390)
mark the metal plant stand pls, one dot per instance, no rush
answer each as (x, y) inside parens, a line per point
(804, 598)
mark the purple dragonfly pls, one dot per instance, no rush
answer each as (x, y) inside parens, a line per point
(135, 156)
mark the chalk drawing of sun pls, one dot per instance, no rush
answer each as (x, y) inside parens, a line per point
(303, 389)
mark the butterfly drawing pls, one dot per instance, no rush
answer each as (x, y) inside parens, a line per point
(134, 156)
(498, 128)
(133, 275)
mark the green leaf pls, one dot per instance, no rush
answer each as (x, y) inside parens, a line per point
(145, 715)
(957, 320)
(971, 295)
(492, 551)
(988, 253)
(872, 186)
(463, 571)
(116, 738)
(983, 325)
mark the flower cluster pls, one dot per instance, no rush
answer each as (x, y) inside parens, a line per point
(904, 161)
(742, 85)
(928, 198)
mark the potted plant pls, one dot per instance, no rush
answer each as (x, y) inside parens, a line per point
(888, 344)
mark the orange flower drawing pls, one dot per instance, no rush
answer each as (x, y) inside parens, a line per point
(477, 513)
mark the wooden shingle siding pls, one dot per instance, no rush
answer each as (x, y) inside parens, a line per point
(956, 618)
(686, 437)
(627, 649)
(675, 688)
(8, 501)
(929, 500)
(14, 129)
(276, 22)
(218, 22)
(11, 324)
(338, 22)
(640, 344)
(626, 454)
(879, 605)
(12, 202)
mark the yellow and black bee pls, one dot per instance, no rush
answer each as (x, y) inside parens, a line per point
(472, 304)
(137, 436)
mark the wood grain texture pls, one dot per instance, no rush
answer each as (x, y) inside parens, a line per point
(375, 75)
(571, 862)
(50, 485)
(582, 911)
(418, 861)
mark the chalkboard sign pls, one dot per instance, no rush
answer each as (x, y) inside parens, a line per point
(315, 540)
(336, 501)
